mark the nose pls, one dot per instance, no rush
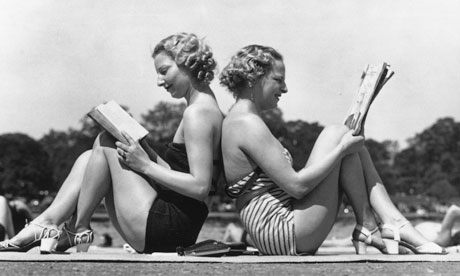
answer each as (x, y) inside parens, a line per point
(284, 88)
(160, 81)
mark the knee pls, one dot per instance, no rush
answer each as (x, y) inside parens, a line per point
(104, 139)
(454, 209)
(84, 157)
(338, 130)
(334, 133)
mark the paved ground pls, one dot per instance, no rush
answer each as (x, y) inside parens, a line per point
(329, 261)
(112, 269)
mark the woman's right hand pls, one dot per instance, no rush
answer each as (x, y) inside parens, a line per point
(351, 143)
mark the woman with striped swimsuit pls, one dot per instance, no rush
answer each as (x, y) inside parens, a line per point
(288, 212)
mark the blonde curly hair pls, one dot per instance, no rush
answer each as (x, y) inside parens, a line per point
(189, 52)
(247, 66)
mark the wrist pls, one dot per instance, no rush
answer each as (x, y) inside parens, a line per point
(341, 150)
(146, 167)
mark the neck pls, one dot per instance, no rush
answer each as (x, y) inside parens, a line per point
(245, 105)
(247, 97)
(196, 90)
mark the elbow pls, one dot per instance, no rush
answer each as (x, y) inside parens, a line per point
(297, 194)
(202, 192)
(299, 191)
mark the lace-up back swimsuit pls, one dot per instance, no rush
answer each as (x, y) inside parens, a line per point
(174, 219)
(268, 217)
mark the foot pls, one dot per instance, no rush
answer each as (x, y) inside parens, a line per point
(30, 236)
(70, 238)
(407, 236)
(362, 237)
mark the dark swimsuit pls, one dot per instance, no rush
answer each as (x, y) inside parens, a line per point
(174, 219)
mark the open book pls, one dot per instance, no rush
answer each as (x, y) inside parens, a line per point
(373, 79)
(113, 118)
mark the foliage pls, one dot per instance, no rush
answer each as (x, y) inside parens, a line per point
(429, 166)
(24, 166)
(163, 120)
(433, 156)
(64, 148)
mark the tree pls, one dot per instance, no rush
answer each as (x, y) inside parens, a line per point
(64, 147)
(163, 120)
(24, 166)
(432, 155)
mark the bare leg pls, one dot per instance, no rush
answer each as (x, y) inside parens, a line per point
(382, 204)
(64, 204)
(6, 219)
(315, 214)
(125, 189)
(452, 216)
(354, 185)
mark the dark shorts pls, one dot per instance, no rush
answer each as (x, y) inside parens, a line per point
(174, 220)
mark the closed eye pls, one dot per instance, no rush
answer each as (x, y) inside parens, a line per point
(279, 80)
(163, 70)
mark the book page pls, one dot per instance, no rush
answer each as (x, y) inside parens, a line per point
(372, 81)
(115, 119)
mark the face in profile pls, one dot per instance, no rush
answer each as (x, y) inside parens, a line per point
(272, 86)
(171, 77)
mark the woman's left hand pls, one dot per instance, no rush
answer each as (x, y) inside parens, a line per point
(132, 154)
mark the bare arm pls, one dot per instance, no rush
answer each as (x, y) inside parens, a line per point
(265, 150)
(199, 129)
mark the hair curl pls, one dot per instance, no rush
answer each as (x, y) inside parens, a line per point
(189, 52)
(247, 66)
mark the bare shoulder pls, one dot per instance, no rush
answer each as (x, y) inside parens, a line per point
(209, 112)
(244, 121)
(244, 126)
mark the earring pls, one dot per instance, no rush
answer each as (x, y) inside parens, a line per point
(252, 97)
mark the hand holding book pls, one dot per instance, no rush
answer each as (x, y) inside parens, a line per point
(373, 79)
(114, 119)
(132, 154)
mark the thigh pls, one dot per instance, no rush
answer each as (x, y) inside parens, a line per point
(129, 201)
(315, 214)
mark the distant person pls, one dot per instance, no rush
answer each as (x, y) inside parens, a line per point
(288, 212)
(154, 196)
(443, 233)
(14, 215)
(106, 240)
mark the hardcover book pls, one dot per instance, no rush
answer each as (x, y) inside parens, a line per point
(113, 118)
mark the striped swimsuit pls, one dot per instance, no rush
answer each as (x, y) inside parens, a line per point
(269, 217)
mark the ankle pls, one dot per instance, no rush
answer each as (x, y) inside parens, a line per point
(44, 221)
(78, 228)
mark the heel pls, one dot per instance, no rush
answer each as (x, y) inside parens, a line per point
(360, 247)
(69, 239)
(392, 246)
(83, 247)
(47, 245)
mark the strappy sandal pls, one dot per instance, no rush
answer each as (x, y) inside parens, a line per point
(45, 236)
(362, 237)
(392, 238)
(70, 239)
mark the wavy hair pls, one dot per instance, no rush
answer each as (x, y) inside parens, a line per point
(247, 66)
(191, 53)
